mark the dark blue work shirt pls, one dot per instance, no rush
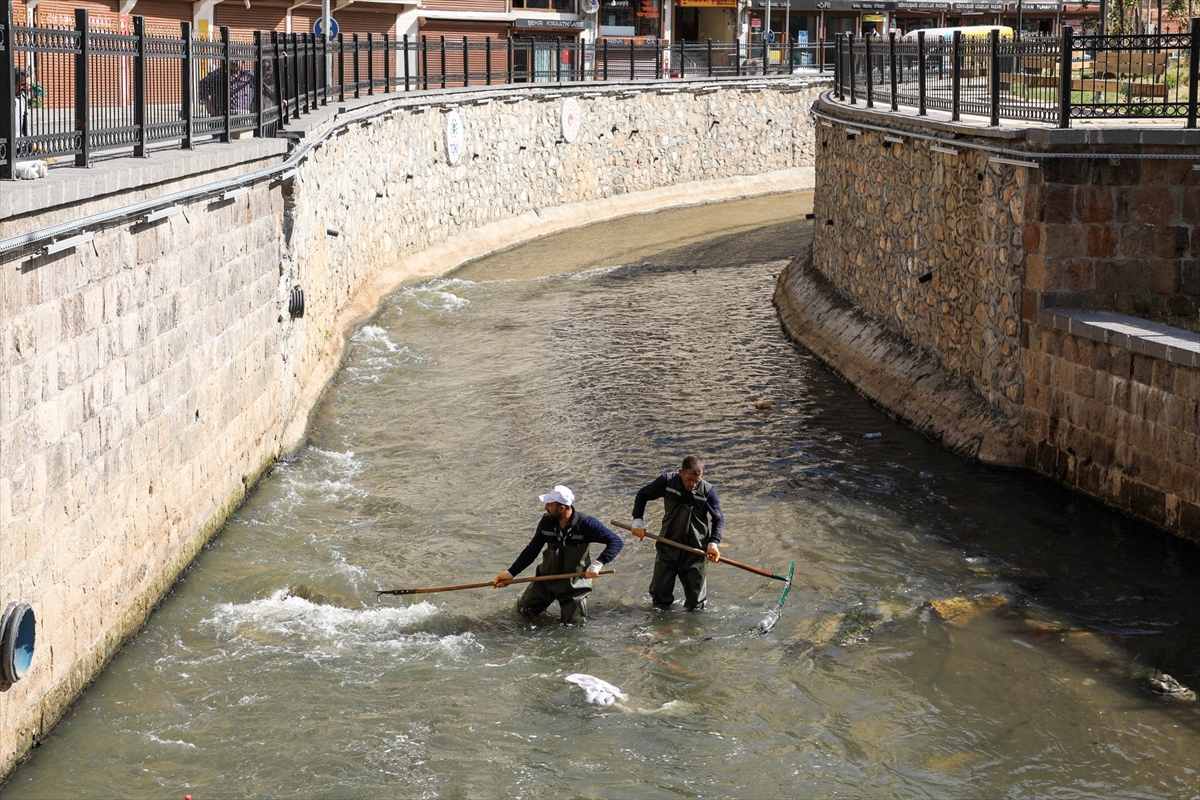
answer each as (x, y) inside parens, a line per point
(581, 530)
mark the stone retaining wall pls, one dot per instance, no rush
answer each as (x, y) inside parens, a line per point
(150, 377)
(957, 260)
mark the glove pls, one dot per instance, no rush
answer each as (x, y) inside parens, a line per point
(501, 580)
(594, 569)
(638, 529)
(713, 554)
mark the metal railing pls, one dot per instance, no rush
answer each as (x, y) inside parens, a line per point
(1052, 80)
(75, 91)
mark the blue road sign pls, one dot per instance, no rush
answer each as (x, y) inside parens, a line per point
(319, 29)
(769, 36)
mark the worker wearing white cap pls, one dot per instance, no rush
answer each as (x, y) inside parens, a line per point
(566, 535)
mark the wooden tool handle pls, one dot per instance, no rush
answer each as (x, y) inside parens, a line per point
(534, 579)
(700, 552)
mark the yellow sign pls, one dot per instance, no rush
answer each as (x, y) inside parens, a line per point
(707, 3)
(874, 17)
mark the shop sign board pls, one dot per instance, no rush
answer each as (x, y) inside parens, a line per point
(707, 3)
(917, 5)
(551, 24)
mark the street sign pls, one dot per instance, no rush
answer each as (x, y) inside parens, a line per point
(319, 27)
(769, 36)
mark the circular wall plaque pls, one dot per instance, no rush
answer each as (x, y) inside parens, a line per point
(570, 119)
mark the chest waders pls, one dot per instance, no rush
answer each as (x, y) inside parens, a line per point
(685, 520)
(566, 551)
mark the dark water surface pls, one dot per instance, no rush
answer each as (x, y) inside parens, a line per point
(599, 358)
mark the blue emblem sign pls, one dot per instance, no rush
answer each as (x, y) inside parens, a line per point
(319, 27)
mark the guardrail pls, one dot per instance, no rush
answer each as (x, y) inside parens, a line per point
(75, 92)
(1053, 80)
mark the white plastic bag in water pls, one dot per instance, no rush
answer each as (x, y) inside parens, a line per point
(602, 693)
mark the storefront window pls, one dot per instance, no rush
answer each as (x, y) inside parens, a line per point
(630, 17)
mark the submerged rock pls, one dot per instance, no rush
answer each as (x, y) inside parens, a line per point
(306, 592)
(961, 610)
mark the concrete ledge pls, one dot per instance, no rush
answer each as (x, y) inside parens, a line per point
(1136, 335)
(894, 374)
(70, 185)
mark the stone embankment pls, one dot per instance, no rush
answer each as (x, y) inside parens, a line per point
(956, 275)
(149, 376)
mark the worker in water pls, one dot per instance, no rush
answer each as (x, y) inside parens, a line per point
(692, 516)
(566, 535)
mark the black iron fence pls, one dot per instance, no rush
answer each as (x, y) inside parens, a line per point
(72, 92)
(1050, 80)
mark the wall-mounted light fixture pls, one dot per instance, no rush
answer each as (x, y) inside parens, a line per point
(852, 132)
(950, 151)
(162, 213)
(232, 193)
(892, 139)
(67, 244)
(1016, 162)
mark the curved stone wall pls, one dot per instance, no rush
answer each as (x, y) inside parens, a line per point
(149, 377)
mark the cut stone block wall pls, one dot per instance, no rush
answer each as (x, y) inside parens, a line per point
(149, 377)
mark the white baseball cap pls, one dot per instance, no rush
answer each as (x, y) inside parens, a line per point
(559, 494)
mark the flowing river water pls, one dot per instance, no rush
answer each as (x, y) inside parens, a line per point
(599, 358)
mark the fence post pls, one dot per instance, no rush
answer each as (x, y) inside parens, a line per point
(442, 39)
(354, 44)
(226, 85)
(8, 114)
(487, 49)
(657, 59)
(632, 61)
(387, 64)
(297, 64)
(310, 99)
(259, 64)
(82, 111)
(850, 66)
(737, 56)
(558, 59)
(956, 76)
(870, 71)
(1193, 72)
(921, 110)
(892, 64)
(341, 40)
(406, 75)
(277, 76)
(1064, 79)
(370, 64)
(466, 64)
(578, 65)
(994, 74)
(424, 60)
(185, 84)
(837, 68)
(766, 50)
(139, 87)
(326, 65)
(606, 59)
(709, 58)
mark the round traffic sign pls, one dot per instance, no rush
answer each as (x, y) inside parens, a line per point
(319, 27)
(769, 35)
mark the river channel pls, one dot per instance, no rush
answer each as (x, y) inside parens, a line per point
(599, 358)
